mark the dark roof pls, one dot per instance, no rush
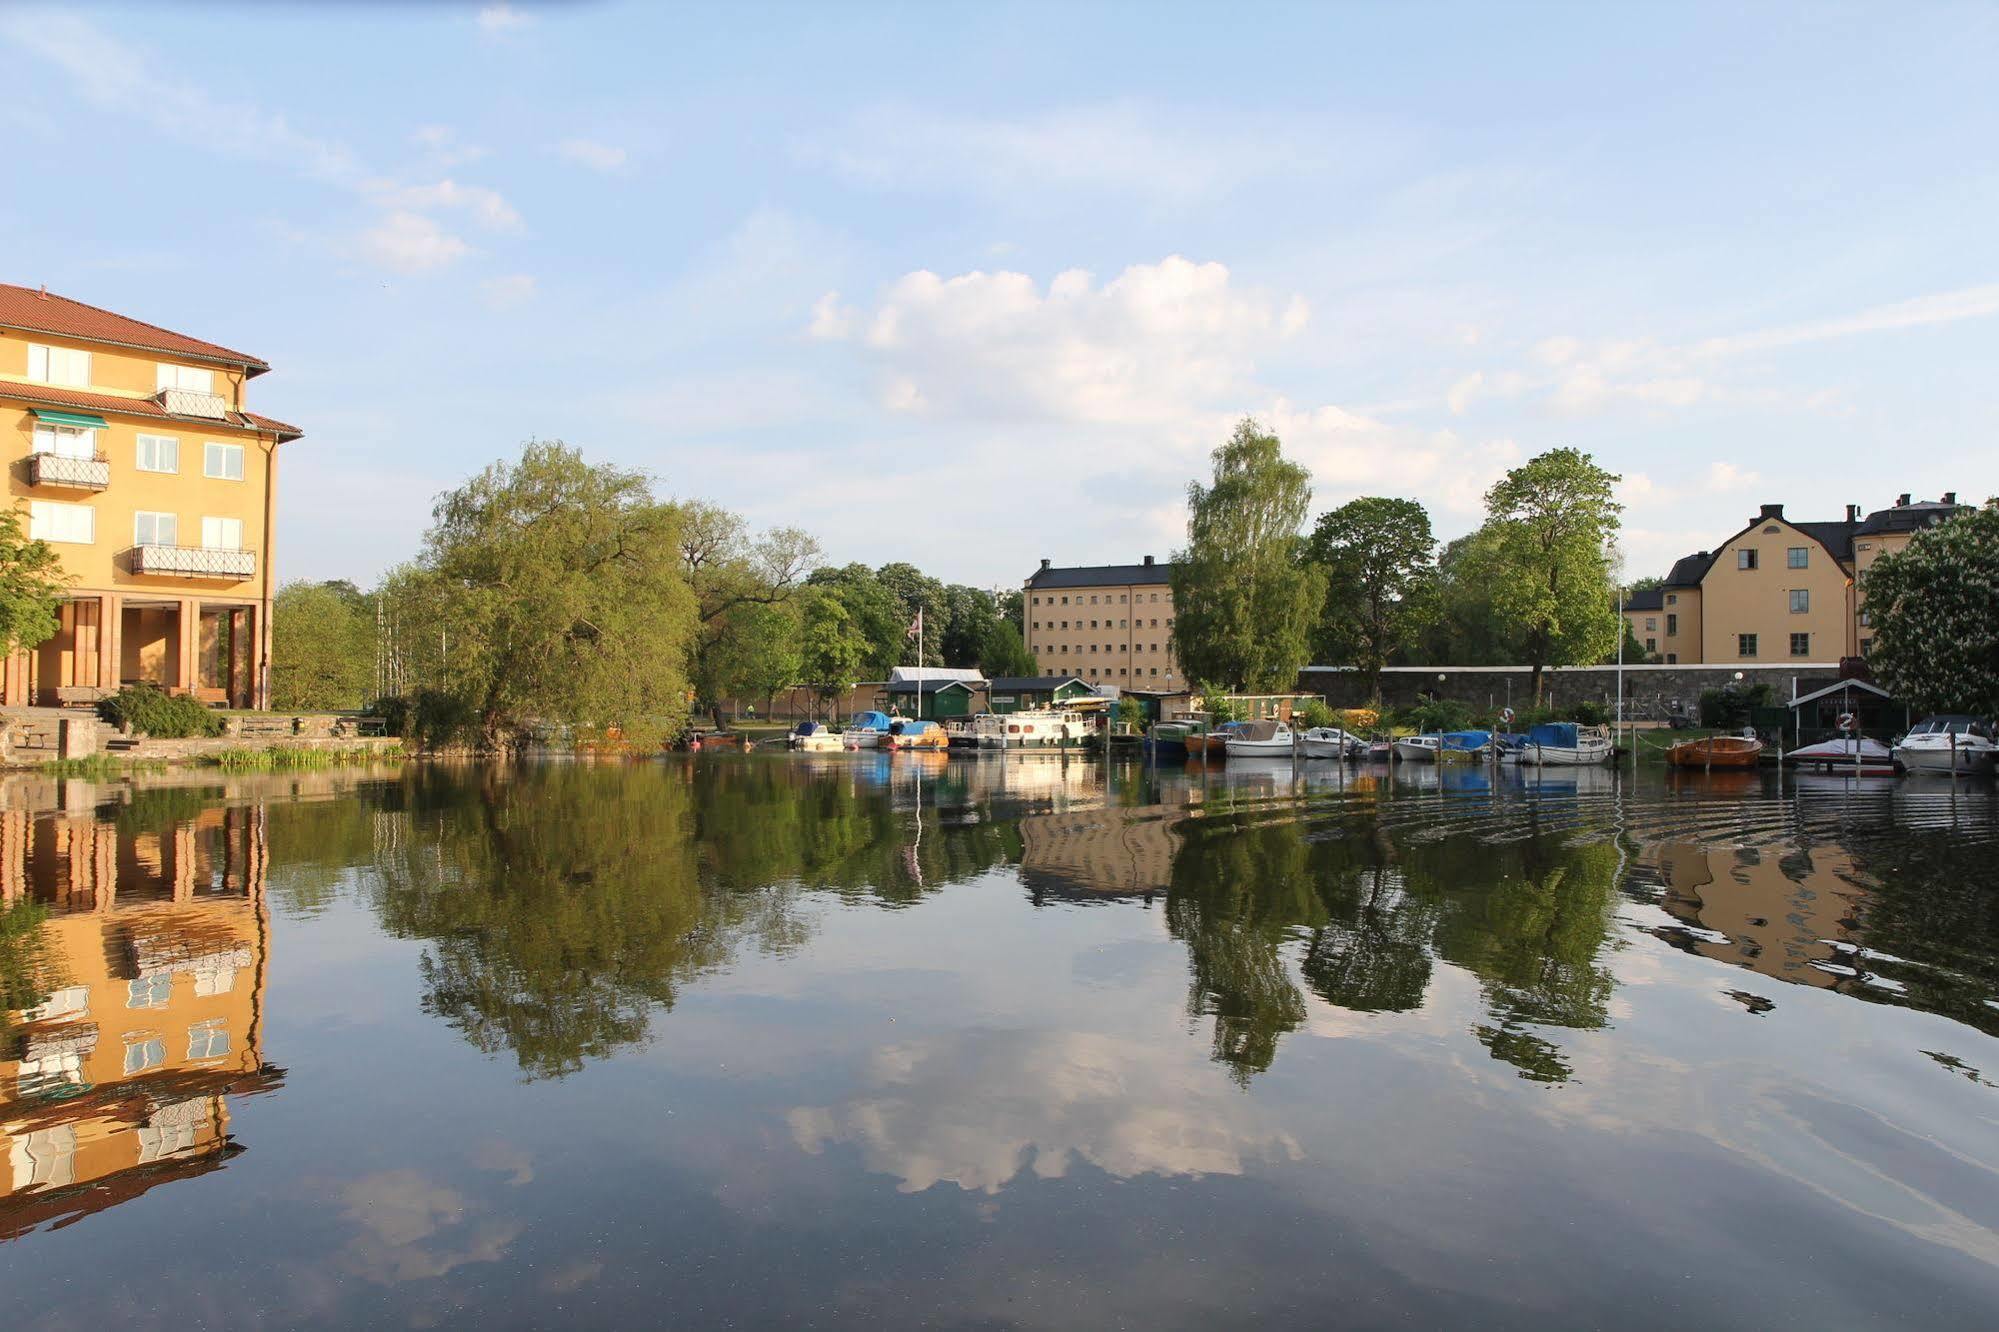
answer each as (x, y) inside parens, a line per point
(45, 312)
(55, 396)
(931, 686)
(1029, 684)
(1906, 517)
(1688, 570)
(1101, 575)
(1646, 598)
(1836, 536)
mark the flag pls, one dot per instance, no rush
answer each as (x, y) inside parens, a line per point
(916, 625)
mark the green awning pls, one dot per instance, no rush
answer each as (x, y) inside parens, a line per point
(81, 420)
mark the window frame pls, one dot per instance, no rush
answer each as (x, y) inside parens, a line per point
(1800, 600)
(1746, 559)
(49, 353)
(139, 453)
(38, 508)
(207, 453)
(1797, 557)
(1746, 645)
(1801, 645)
(163, 371)
(173, 527)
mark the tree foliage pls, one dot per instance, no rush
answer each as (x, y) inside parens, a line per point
(1934, 607)
(322, 646)
(1379, 557)
(728, 571)
(1244, 600)
(1552, 523)
(32, 584)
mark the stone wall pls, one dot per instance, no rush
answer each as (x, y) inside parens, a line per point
(1649, 691)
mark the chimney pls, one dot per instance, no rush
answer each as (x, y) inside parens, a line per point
(1950, 497)
(1773, 511)
(1853, 513)
(43, 294)
(1148, 561)
(1902, 500)
(1044, 563)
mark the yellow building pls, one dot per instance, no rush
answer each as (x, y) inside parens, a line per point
(1777, 590)
(1106, 623)
(135, 458)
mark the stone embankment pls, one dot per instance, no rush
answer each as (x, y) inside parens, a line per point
(31, 736)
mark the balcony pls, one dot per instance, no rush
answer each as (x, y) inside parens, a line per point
(193, 402)
(56, 469)
(194, 562)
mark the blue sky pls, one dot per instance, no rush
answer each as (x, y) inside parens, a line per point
(969, 287)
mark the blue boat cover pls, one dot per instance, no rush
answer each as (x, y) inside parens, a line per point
(868, 721)
(1466, 740)
(807, 728)
(1553, 735)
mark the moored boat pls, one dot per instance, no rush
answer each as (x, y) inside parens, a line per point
(1846, 754)
(1563, 744)
(909, 733)
(1259, 739)
(1034, 728)
(1948, 744)
(1330, 742)
(1717, 751)
(1463, 746)
(1418, 748)
(865, 730)
(1214, 744)
(811, 737)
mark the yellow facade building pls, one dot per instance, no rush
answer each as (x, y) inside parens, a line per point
(1778, 590)
(134, 456)
(1107, 624)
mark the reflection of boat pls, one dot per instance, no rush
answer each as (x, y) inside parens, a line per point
(909, 733)
(1716, 751)
(865, 730)
(1949, 744)
(1564, 744)
(1259, 739)
(814, 738)
(1846, 754)
(1330, 742)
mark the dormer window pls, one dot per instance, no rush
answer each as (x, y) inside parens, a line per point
(58, 365)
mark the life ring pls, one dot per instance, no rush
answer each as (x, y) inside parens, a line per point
(1506, 716)
(1848, 722)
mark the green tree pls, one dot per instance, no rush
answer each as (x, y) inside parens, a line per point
(915, 591)
(1002, 653)
(1379, 556)
(32, 583)
(876, 614)
(833, 648)
(322, 646)
(1459, 623)
(727, 569)
(1935, 616)
(559, 596)
(1553, 522)
(1245, 602)
(759, 654)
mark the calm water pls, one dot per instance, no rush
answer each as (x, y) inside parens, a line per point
(997, 1043)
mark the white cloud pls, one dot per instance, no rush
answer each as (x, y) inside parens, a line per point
(486, 206)
(1938, 308)
(442, 146)
(493, 20)
(830, 319)
(509, 292)
(597, 156)
(1150, 346)
(1463, 391)
(1726, 476)
(1352, 454)
(411, 243)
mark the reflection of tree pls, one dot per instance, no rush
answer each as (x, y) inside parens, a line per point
(1372, 956)
(29, 969)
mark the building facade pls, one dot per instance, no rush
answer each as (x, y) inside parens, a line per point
(1779, 590)
(133, 455)
(1106, 624)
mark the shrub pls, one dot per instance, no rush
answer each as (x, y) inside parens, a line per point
(1315, 713)
(430, 717)
(1357, 721)
(1589, 714)
(147, 709)
(1444, 714)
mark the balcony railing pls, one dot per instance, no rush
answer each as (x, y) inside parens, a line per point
(194, 562)
(56, 469)
(193, 402)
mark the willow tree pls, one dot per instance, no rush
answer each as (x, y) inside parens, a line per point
(1244, 600)
(1935, 615)
(560, 597)
(1552, 524)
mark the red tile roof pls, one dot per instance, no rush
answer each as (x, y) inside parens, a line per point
(45, 312)
(51, 395)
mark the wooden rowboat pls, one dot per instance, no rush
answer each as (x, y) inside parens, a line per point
(1717, 751)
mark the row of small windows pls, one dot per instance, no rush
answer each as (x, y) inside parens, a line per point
(156, 453)
(1122, 624)
(71, 368)
(76, 524)
(1121, 599)
(1108, 647)
(1093, 674)
(1746, 645)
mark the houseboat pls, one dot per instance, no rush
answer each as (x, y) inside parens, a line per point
(1034, 728)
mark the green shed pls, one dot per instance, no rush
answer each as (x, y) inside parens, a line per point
(1017, 693)
(935, 700)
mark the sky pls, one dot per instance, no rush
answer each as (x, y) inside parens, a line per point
(975, 286)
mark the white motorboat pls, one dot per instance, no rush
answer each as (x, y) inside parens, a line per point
(1846, 754)
(866, 730)
(1260, 739)
(1564, 744)
(1948, 744)
(811, 737)
(1330, 742)
(1418, 748)
(1033, 728)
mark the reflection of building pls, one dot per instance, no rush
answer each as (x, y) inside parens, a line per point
(1108, 850)
(1781, 916)
(150, 960)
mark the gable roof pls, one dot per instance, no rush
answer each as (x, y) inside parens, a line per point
(36, 311)
(1838, 685)
(1688, 570)
(1029, 684)
(1646, 599)
(148, 407)
(1102, 575)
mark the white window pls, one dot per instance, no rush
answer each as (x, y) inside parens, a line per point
(159, 453)
(223, 461)
(208, 1040)
(50, 521)
(65, 441)
(150, 991)
(155, 529)
(142, 1053)
(186, 377)
(222, 533)
(58, 365)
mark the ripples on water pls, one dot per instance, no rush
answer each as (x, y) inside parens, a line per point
(998, 1042)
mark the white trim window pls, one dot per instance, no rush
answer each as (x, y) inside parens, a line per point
(159, 453)
(222, 533)
(58, 365)
(224, 462)
(185, 377)
(208, 1039)
(49, 520)
(155, 529)
(65, 441)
